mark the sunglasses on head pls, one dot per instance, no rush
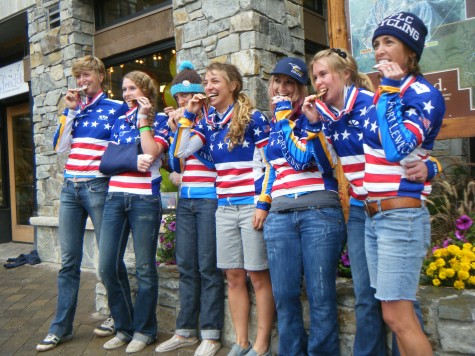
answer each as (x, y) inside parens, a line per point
(338, 51)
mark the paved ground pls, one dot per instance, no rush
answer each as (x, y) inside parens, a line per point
(28, 296)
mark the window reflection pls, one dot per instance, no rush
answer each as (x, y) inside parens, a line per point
(110, 12)
(160, 65)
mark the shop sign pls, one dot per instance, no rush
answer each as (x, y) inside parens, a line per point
(12, 80)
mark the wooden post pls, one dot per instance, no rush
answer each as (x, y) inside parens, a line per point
(338, 34)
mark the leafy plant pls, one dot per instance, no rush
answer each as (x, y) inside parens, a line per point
(453, 196)
(166, 242)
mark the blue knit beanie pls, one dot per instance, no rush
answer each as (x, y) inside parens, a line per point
(187, 80)
(406, 27)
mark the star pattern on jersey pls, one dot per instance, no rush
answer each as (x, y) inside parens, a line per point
(257, 131)
(345, 134)
(374, 126)
(412, 111)
(428, 106)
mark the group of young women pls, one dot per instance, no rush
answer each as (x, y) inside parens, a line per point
(279, 176)
(278, 218)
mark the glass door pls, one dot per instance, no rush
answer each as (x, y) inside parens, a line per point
(20, 167)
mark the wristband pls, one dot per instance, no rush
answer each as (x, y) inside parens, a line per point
(145, 128)
(142, 116)
(189, 115)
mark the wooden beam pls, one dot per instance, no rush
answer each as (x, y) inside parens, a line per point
(337, 31)
(457, 128)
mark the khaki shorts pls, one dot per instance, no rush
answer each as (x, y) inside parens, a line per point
(238, 244)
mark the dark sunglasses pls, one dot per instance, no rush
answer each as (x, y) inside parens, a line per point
(338, 51)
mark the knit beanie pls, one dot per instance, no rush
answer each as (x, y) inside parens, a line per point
(187, 80)
(294, 68)
(406, 27)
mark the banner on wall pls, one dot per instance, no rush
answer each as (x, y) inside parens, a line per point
(448, 61)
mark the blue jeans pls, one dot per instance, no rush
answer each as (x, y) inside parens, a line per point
(370, 336)
(124, 212)
(305, 243)
(201, 282)
(78, 201)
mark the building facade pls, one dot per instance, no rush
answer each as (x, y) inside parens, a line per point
(40, 39)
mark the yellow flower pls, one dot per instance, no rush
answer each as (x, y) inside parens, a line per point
(467, 246)
(463, 275)
(430, 272)
(442, 274)
(469, 255)
(459, 285)
(440, 262)
(453, 249)
(436, 282)
(437, 253)
(471, 280)
(465, 266)
(449, 272)
(433, 266)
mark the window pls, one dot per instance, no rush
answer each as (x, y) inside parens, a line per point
(110, 12)
(159, 62)
(317, 6)
(53, 17)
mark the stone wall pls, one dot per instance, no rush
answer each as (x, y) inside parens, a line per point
(250, 34)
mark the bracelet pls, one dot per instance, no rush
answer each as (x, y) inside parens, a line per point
(142, 116)
(145, 128)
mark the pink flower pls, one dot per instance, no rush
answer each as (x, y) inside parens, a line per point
(172, 226)
(459, 236)
(464, 222)
(447, 242)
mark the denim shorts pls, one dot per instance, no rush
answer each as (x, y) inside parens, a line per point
(238, 244)
(396, 244)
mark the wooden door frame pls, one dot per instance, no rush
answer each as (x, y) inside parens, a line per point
(20, 233)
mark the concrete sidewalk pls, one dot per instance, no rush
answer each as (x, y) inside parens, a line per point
(28, 296)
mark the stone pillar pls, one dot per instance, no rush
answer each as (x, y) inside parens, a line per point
(253, 35)
(51, 55)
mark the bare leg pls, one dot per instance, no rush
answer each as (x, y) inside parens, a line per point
(265, 309)
(238, 298)
(401, 318)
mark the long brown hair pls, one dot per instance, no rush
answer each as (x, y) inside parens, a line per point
(243, 105)
(149, 88)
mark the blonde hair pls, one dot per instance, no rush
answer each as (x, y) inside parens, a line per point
(339, 61)
(149, 88)
(90, 63)
(243, 105)
(297, 98)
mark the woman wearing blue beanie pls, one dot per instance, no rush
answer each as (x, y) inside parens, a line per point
(409, 116)
(201, 282)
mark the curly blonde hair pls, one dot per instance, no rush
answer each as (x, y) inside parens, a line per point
(149, 88)
(243, 106)
(339, 60)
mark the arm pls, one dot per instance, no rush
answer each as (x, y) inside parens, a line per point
(265, 200)
(401, 132)
(62, 137)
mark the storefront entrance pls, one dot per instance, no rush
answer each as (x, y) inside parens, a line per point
(20, 168)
